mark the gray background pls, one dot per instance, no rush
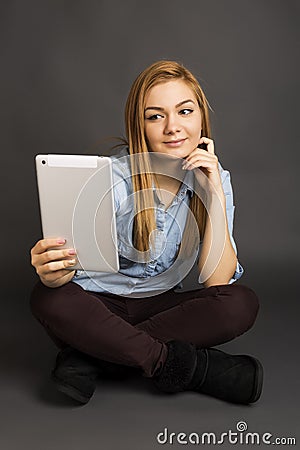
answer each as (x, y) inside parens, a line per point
(66, 69)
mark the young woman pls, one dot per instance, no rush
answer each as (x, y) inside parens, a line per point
(174, 206)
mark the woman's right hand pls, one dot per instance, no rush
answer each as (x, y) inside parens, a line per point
(50, 265)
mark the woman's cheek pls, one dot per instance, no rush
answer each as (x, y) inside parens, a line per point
(149, 137)
(193, 145)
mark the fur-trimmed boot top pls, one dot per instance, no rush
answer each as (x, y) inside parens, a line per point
(233, 378)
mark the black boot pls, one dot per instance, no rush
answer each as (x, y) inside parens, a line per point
(233, 378)
(75, 373)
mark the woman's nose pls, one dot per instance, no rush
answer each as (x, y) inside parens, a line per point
(172, 125)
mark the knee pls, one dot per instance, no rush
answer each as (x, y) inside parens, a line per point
(44, 301)
(56, 305)
(241, 307)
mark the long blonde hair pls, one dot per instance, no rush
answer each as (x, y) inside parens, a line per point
(142, 178)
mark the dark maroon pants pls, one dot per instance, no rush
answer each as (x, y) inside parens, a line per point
(134, 331)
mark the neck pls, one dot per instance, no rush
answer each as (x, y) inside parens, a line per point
(167, 170)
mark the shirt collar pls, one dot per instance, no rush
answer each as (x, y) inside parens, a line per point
(188, 183)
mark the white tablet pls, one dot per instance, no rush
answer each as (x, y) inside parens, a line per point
(76, 203)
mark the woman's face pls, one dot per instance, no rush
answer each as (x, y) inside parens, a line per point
(172, 119)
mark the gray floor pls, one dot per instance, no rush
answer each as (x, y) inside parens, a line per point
(130, 415)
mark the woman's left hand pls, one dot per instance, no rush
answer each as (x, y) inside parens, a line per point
(207, 162)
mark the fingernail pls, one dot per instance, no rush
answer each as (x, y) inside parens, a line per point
(72, 251)
(61, 241)
(72, 262)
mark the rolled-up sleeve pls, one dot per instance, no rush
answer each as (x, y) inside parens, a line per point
(227, 188)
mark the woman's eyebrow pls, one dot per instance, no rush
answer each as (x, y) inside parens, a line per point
(185, 101)
(158, 108)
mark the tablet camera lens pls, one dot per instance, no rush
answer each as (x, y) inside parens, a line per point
(43, 161)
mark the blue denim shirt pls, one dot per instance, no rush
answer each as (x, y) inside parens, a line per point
(137, 278)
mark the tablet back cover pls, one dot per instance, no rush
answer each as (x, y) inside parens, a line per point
(76, 203)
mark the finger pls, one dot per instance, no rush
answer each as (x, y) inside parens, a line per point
(203, 164)
(209, 142)
(207, 163)
(203, 156)
(40, 259)
(56, 255)
(198, 151)
(198, 160)
(44, 244)
(55, 266)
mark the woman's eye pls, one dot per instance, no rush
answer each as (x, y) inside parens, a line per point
(154, 117)
(186, 111)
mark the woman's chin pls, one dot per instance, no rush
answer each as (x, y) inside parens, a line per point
(169, 157)
(174, 152)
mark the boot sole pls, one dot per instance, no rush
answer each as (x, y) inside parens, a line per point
(258, 381)
(70, 391)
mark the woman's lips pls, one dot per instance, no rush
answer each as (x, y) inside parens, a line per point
(175, 143)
